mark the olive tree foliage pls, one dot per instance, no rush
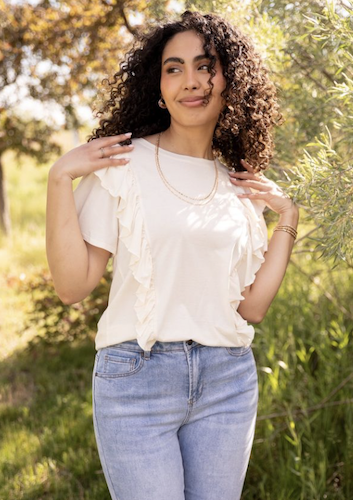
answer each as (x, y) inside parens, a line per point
(323, 179)
(314, 146)
(307, 46)
(57, 51)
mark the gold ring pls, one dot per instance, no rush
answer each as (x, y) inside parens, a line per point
(102, 152)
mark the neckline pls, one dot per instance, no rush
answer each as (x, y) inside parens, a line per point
(178, 156)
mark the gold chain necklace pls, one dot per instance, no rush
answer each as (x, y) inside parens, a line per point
(179, 194)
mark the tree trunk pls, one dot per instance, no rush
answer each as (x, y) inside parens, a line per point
(5, 222)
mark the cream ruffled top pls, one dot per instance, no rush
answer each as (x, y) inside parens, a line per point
(178, 269)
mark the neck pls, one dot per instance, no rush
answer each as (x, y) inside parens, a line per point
(190, 141)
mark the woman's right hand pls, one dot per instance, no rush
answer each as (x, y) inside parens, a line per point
(92, 156)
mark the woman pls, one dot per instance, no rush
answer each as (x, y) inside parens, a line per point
(180, 210)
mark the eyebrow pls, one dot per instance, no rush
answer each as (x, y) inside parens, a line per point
(181, 61)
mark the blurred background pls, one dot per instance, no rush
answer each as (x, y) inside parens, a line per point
(54, 56)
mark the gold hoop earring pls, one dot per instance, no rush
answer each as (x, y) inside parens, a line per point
(161, 103)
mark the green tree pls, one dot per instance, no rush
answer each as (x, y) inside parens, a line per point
(307, 45)
(324, 177)
(314, 73)
(58, 52)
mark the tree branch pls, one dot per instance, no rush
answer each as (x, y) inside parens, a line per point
(307, 73)
(308, 234)
(128, 26)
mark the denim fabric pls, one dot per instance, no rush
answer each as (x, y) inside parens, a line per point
(176, 422)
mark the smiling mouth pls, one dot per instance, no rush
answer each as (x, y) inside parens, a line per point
(192, 102)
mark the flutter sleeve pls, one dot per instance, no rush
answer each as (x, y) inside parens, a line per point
(97, 213)
(256, 246)
(245, 265)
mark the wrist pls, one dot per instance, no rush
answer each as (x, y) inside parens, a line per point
(58, 174)
(290, 217)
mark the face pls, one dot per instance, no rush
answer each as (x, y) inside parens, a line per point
(184, 82)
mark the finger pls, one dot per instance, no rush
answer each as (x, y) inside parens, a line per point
(113, 162)
(114, 150)
(247, 165)
(251, 184)
(105, 142)
(261, 195)
(247, 175)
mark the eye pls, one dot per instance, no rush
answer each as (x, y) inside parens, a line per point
(204, 67)
(172, 70)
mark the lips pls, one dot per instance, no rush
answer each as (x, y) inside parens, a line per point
(195, 101)
(193, 98)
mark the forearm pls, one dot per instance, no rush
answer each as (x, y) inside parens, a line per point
(259, 296)
(66, 250)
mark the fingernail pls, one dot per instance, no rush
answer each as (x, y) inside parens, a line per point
(128, 134)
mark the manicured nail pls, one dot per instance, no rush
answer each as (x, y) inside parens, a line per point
(128, 134)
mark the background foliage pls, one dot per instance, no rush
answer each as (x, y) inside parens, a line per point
(303, 444)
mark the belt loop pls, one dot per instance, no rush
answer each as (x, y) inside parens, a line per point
(146, 355)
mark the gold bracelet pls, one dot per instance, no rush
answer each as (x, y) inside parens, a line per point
(287, 229)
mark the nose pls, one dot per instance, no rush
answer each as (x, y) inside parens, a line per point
(191, 81)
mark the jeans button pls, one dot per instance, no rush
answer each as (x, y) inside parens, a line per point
(189, 342)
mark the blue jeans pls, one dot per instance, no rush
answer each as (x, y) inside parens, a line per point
(176, 422)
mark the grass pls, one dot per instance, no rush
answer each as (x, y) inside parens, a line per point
(303, 447)
(23, 252)
(304, 353)
(48, 448)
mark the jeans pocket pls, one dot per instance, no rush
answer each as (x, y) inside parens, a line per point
(113, 362)
(239, 351)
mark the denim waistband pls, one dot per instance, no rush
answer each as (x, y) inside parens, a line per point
(158, 346)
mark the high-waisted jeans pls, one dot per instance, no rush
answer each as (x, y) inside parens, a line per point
(174, 423)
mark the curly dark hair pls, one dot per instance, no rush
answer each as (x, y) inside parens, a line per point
(244, 126)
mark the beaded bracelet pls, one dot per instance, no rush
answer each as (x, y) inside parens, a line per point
(287, 229)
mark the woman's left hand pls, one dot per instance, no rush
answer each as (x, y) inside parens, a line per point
(266, 190)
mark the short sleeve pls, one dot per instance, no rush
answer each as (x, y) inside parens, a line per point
(256, 247)
(97, 213)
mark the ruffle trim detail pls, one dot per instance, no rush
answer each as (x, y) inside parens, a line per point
(120, 183)
(257, 243)
(252, 260)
